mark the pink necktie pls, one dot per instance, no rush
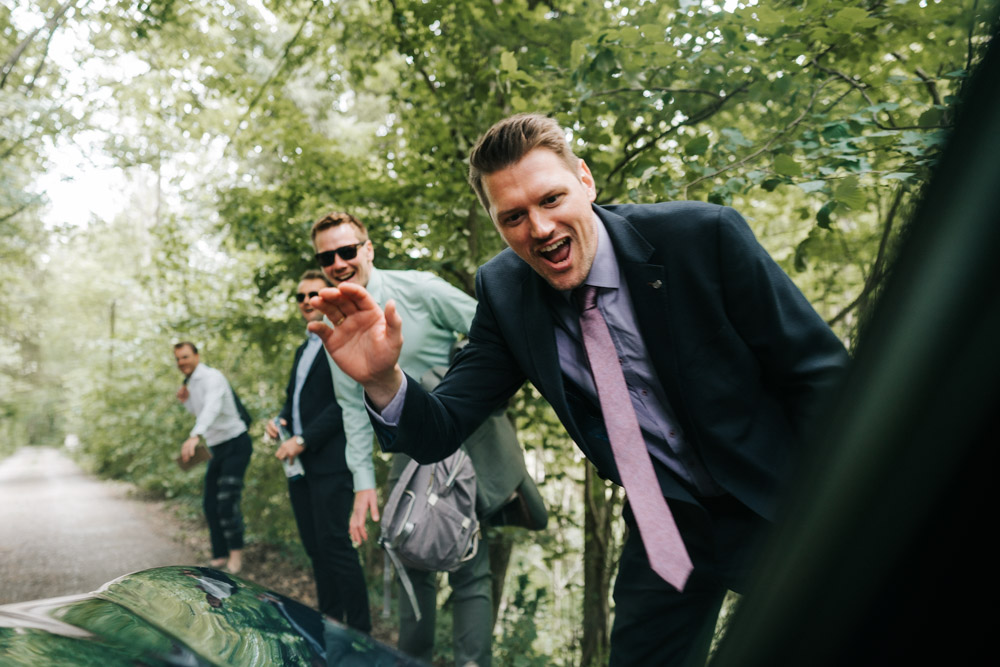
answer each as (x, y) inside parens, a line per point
(664, 546)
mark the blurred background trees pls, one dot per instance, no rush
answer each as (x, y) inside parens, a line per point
(211, 135)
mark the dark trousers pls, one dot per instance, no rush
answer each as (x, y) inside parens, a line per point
(472, 612)
(656, 625)
(223, 490)
(322, 505)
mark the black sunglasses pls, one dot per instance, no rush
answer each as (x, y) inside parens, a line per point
(300, 296)
(346, 252)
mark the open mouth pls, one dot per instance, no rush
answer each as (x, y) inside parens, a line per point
(557, 252)
(345, 277)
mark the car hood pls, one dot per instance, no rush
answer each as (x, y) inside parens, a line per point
(182, 616)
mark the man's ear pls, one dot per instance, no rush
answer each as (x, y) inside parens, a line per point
(587, 179)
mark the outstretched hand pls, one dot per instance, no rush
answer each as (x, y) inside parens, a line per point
(364, 340)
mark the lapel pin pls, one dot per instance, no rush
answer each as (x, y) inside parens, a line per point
(656, 284)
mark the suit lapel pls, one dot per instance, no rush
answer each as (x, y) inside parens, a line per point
(540, 339)
(648, 285)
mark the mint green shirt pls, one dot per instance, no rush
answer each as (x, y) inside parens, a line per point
(434, 315)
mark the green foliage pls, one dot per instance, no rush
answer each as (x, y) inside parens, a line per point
(240, 123)
(519, 623)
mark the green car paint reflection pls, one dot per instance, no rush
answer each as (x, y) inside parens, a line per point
(182, 616)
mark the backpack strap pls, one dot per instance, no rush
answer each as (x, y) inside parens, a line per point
(400, 487)
(403, 579)
(390, 508)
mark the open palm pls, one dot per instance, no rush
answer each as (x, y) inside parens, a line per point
(365, 341)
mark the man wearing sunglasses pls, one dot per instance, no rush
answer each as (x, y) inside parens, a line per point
(323, 496)
(436, 315)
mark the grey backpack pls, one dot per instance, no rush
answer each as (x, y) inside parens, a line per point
(429, 522)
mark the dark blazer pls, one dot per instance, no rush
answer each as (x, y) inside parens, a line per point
(743, 358)
(322, 424)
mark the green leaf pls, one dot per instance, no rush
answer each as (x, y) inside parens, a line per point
(812, 186)
(931, 117)
(835, 131)
(786, 165)
(697, 146)
(770, 184)
(898, 176)
(850, 19)
(767, 18)
(508, 62)
(847, 192)
(652, 30)
(823, 215)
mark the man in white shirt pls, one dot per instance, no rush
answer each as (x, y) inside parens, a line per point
(207, 395)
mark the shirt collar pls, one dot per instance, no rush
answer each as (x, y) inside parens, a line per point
(604, 272)
(197, 372)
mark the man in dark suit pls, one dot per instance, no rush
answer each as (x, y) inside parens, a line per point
(720, 362)
(322, 497)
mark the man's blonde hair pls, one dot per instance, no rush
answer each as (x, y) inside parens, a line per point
(335, 219)
(511, 139)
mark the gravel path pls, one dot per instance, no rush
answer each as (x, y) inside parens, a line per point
(63, 532)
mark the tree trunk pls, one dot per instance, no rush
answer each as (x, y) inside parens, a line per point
(599, 554)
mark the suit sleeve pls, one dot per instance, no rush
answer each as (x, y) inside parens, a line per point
(801, 359)
(286, 409)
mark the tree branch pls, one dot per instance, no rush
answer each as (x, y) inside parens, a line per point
(788, 128)
(930, 85)
(41, 61)
(972, 32)
(50, 25)
(23, 207)
(877, 271)
(659, 89)
(280, 64)
(705, 113)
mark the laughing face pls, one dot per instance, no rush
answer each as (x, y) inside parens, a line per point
(355, 270)
(542, 210)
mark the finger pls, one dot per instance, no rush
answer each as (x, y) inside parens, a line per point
(394, 324)
(374, 509)
(357, 529)
(356, 298)
(328, 300)
(324, 331)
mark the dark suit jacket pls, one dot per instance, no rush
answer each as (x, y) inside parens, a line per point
(743, 358)
(322, 424)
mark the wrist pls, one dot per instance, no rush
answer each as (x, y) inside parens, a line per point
(382, 390)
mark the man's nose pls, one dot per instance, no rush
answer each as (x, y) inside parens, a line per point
(338, 262)
(541, 225)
